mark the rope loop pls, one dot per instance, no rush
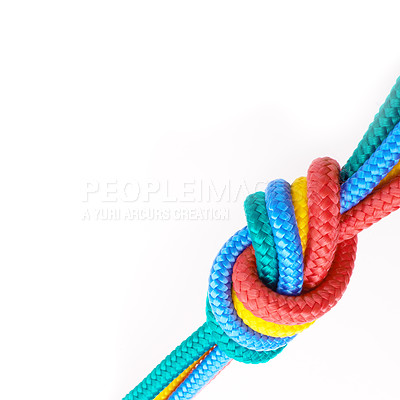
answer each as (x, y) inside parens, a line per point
(291, 264)
(274, 278)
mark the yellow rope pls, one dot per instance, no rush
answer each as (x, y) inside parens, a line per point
(298, 190)
(178, 380)
(393, 173)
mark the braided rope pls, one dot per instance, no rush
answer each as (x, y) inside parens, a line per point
(298, 190)
(324, 217)
(232, 348)
(384, 122)
(367, 178)
(286, 237)
(177, 381)
(173, 365)
(252, 293)
(251, 310)
(371, 210)
(220, 298)
(266, 327)
(204, 373)
(260, 232)
(299, 197)
(324, 207)
(307, 307)
(395, 171)
(238, 352)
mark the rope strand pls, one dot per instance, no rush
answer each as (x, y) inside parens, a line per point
(257, 301)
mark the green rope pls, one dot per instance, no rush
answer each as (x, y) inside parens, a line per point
(384, 122)
(173, 365)
(262, 239)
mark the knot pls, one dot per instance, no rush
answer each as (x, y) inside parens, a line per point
(293, 262)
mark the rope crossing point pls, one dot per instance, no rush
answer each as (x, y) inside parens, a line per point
(290, 265)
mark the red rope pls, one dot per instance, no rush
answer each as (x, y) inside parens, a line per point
(327, 279)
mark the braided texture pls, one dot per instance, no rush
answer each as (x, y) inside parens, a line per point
(233, 349)
(384, 122)
(207, 369)
(367, 178)
(330, 284)
(262, 239)
(271, 306)
(290, 265)
(299, 197)
(286, 237)
(177, 381)
(324, 217)
(220, 298)
(172, 366)
(392, 174)
(265, 327)
(298, 191)
(371, 210)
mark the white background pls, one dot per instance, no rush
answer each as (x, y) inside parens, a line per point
(95, 92)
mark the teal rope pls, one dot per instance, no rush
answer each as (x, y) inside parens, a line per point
(384, 122)
(262, 239)
(173, 365)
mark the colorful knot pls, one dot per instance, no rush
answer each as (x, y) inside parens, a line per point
(290, 265)
(261, 283)
(293, 262)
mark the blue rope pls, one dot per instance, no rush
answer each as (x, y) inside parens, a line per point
(286, 236)
(220, 297)
(361, 184)
(211, 365)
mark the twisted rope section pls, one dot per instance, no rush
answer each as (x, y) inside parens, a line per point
(262, 291)
(286, 237)
(307, 307)
(328, 262)
(207, 370)
(260, 232)
(363, 182)
(173, 365)
(371, 210)
(324, 217)
(298, 190)
(264, 303)
(384, 122)
(166, 393)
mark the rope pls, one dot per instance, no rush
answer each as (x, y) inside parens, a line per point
(298, 191)
(173, 365)
(204, 373)
(384, 122)
(363, 182)
(307, 307)
(371, 210)
(265, 327)
(177, 381)
(260, 232)
(220, 298)
(292, 263)
(286, 237)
